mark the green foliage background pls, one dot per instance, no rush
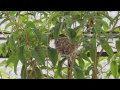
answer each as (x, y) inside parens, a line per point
(32, 31)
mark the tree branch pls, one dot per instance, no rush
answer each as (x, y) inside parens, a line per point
(95, 70)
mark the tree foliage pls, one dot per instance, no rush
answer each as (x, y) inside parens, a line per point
(31, 33)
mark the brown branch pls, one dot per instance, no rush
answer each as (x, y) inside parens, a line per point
(71, 60)
(27, 71)
(95, 70)
(32, 64)
(69, 69)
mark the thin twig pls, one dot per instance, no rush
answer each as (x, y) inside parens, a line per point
(103, 67)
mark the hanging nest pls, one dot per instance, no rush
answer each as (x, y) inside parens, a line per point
(64, 47)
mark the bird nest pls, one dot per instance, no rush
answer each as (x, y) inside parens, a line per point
(64, 46)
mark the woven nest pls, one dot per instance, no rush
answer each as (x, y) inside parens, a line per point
(64, 46)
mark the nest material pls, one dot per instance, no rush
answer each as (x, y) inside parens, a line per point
(64, 46)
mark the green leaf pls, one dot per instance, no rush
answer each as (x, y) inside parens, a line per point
(30, 24)
(12, 43)
(8, 25)
(3, 21)
(68, 20)
(78, 73)
(82, 22)
(105, 26)
(23, 72)
(20, 53)
(44, 39)
(3, 71)
(118, 45)
(100, 23)
(108, 17)
(82, 64)
(79, 32)
(83, 54)
(97, 28)
(52, 53)
(37, 21)
(37, 33)
(114, 68)
(3, 49)
(13, 59)
(59, 67)
(117, 29)
(71, 33)
(39, 54)
(106, 47)
(13, 13)
(101, 59)
(3, 63)
(57, 29)
(88, 70)
(93, 48)
(99, 65)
